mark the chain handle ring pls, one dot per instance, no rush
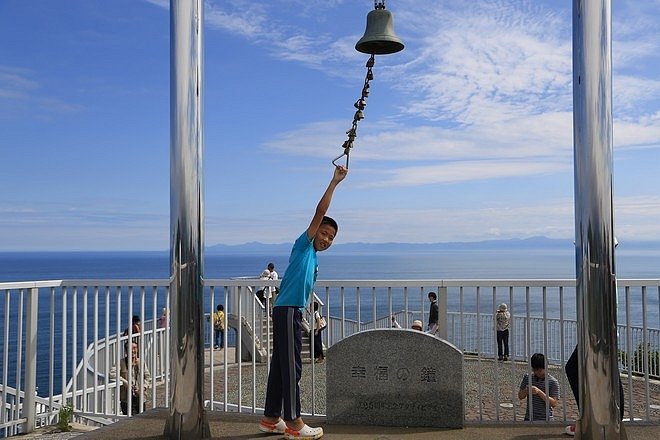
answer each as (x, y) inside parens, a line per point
(360, 105)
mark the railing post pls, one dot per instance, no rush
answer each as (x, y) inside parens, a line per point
(30, 392)
(442, 316)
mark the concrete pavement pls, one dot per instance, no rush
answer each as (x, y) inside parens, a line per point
(226, 426)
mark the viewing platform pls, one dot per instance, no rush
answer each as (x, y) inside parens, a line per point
(233, 426)
(92, 313)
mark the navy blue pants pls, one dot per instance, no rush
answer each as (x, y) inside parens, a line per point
(219, 336)
(283, 391)
(503, 343)
(572, 374)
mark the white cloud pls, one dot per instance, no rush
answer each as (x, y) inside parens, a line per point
(22, 93)
(632, 94)
(534, 136)
(425, 225)
(464, 171)
(246, 19)
(490, 63)
(498, 220)
(491, 82)
(162, 3)
(483, 91)
(16, 82)
(643, 206)
(636, 218)
(54, 226)
(642, 132)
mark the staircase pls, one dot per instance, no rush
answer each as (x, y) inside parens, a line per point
(264, 333)
(264, 336)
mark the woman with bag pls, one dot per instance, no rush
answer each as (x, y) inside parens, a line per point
(319, 325)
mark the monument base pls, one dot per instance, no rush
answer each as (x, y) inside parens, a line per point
(395, 377)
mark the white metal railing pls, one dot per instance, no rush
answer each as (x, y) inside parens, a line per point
(60, 339)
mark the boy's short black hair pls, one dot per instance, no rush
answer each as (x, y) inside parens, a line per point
(220, 308)
(432, 294)
(330, 221)
(537, 361)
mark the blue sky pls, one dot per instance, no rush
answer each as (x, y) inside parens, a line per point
(467, 134)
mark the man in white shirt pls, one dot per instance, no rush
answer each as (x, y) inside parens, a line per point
(269, 291)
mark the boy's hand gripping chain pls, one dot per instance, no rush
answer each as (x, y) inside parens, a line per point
(360, 104)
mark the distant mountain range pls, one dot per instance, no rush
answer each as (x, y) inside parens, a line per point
(377, 248)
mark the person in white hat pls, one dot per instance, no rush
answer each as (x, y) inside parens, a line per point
(416, 325)
(503, 320)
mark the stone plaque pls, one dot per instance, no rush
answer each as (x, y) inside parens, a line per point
(394, 377)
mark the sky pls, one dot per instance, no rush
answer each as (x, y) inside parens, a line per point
(467, 133)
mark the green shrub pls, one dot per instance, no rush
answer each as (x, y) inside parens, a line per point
(637, 363)
(65, 416)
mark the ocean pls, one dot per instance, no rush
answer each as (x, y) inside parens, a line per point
(452, 264)
(473, 263)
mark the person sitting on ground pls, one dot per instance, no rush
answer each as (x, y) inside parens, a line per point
(538, 389)
(135, 381)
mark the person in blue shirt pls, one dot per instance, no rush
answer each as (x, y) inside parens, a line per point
(282, 407)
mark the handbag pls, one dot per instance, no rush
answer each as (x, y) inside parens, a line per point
(322, 324)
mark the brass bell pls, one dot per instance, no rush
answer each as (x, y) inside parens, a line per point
(379, 37)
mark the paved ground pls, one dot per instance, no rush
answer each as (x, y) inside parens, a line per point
(495, 382)
(491, 389)
(232, 426)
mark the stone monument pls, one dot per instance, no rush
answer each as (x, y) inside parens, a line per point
(395, 377)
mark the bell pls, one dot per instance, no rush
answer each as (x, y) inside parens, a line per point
(379, 37)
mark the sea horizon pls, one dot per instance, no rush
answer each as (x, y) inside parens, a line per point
(337, 263)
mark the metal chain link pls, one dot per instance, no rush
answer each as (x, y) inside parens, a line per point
(360, 104)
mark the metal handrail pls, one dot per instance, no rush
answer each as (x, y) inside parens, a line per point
(377, 297)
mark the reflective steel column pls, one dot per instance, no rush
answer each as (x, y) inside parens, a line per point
(187, 418)
(594, 239)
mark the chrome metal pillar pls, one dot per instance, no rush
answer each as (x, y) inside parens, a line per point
(594, 239)
(187, 418)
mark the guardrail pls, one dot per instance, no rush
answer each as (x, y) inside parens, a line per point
(60, 338)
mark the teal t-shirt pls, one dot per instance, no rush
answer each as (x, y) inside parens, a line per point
(300, 275)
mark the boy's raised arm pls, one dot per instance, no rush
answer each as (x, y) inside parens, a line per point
(324, 203)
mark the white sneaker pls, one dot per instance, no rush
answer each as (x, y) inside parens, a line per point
(272, 428)
(306, 433)
(570, 430)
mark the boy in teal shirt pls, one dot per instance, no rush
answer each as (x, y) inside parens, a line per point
(282, 407)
